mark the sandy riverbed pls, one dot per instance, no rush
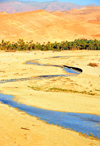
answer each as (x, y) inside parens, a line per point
(13, 122)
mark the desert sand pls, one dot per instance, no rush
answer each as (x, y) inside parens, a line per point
(21, 129)
(42, 26)
(82, 91)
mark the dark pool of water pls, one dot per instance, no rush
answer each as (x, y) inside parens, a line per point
(84, 123)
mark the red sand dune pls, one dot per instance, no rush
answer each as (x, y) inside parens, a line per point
(42, 26)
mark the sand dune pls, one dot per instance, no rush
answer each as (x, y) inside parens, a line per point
(42, 26)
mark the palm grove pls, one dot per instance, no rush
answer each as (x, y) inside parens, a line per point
(78, 44)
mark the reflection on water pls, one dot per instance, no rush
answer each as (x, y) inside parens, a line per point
(84, 123)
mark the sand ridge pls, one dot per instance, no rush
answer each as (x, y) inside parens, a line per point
(42, 26)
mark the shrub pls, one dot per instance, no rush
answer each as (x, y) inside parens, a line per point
(93, 64)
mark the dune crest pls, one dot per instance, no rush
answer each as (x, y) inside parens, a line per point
(3, 12)
(42, 26)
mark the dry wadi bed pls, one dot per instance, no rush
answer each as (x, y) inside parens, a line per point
(80, 94)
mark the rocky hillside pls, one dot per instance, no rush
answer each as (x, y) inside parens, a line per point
(13, 6)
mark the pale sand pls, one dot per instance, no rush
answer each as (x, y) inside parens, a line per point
(11, 120)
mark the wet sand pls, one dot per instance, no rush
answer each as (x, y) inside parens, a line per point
(12, 66)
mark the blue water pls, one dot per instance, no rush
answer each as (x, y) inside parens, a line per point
(84, 123)
(56, 57)
(68, 70)
(34, 77)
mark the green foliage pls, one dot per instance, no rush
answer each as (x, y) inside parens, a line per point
(56, 89)
(79, 44)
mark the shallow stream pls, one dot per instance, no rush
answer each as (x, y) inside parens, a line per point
(84, 123)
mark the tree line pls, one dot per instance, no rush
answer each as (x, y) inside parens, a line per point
(78, 44)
